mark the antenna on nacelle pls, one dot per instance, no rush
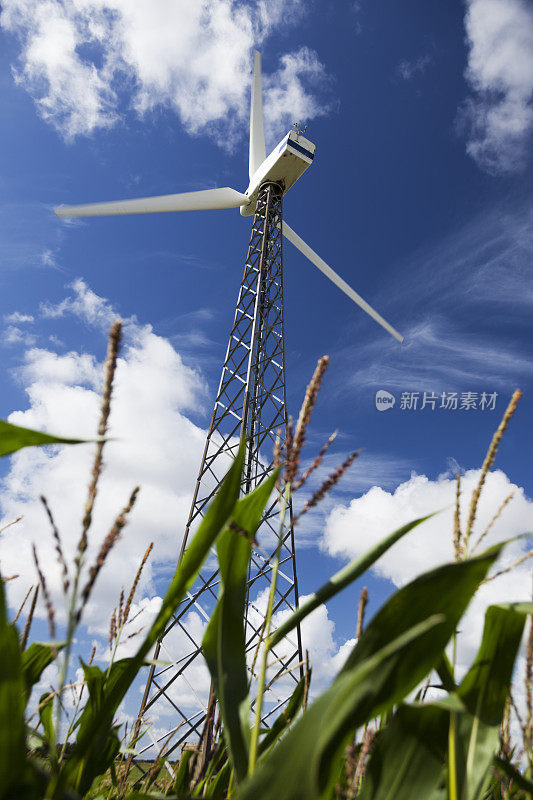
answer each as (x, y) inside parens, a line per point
(296, 126)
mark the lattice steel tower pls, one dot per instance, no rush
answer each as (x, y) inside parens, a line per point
(250, 402)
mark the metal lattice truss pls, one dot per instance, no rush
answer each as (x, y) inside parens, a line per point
(250, 402)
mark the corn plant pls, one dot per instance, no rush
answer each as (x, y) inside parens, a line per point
(364, 736)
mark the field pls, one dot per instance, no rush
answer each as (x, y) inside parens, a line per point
(375, 733)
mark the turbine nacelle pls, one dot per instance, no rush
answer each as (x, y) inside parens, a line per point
(286, 163)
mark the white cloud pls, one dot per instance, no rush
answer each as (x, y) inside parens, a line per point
(14, 335)
(500, 72)
(326, 654)
(463, 327)
(84, 60)
(352, 529)
(85, 304)
(29, 236)
(18, 318)
(288, 92)
(153, 444)
(48, 259)
(407, 70)
(486, 260)
(435, 358)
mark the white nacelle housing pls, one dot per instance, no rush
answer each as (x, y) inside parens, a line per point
(285, 164)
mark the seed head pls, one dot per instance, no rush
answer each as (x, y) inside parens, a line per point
(328, 484)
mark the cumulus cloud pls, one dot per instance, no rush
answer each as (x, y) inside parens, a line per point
(353, 528)
(84, 304)
(288, 92)
(84, 62)
(153, 444)
(499, 116)
(15, 335)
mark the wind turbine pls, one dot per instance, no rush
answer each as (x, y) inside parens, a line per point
(284, 166)
(250, 402)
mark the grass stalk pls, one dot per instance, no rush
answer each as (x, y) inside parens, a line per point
(115, 334)
(493, 520)
(76, 709)
(488, 463)
(363, 600)
(29, 619)
(21, 607)
(254, 741)
(457, 544)
(452, 758)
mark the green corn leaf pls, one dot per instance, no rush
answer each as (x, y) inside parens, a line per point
(12, 731)
(306, 762)
(341, 580)
(13, 438)
(34, 660)
(485, 687)
(224, 644)
(105, 745)
(46, 709)
(286, 717)
(520, 780)
(217, 788)
(218, 514)
(84, 761)
(400, 645)
(408, 606)
(183, 775)
(445, 673)
(409, 756)
(484, 691)
(216, 779)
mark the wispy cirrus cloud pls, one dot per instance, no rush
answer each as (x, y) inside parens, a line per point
(485, 260)
(30, 238)
(437, 356)
(18, 318)
(407, 70)
(466, 303)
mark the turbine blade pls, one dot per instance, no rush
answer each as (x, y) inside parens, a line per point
(186, 201)
(257, 132)
(304, 248)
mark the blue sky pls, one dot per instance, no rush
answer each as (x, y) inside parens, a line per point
(419, 196)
